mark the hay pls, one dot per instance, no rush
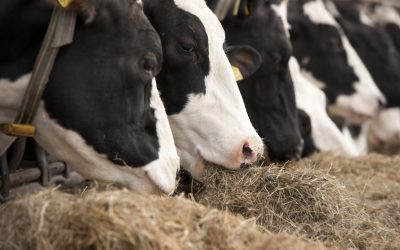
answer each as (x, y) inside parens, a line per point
(374, 180)
(298, 199)
(125, 220)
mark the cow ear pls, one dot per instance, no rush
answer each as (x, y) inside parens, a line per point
(245, 61)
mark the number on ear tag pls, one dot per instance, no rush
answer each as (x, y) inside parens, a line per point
(237, 73)
(64, 3)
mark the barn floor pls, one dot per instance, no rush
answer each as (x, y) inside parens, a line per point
(322, 201)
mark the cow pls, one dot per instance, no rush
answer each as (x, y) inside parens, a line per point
(388, 17)
(369, 33)
(197, 85)
(375, 47)
(329, 61)
(268, 93)
(101, 112)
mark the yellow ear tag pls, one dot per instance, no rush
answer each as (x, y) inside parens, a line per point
(13, 129)
(64, 3)
(237, 73)
(236, 7)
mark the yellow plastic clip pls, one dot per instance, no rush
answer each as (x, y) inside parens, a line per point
(22, 130)
(237, 73)
(64, 3)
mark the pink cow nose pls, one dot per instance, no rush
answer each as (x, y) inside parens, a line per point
(250, 152)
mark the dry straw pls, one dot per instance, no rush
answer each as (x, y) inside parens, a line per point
(344, 202)
(298, 199)
(126, 220)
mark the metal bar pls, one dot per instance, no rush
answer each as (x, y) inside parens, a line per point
(43, 165)
(5, 178)
(23, 176)
(25, 189)
(17, 152)
(33, 174)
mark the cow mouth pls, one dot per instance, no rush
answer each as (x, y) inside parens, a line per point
(199, 167)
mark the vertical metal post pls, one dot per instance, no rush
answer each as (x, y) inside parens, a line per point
(5, 179)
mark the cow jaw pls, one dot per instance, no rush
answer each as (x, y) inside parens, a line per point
(214, 124)
(67, 145)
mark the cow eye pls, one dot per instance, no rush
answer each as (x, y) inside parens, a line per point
(187, 47)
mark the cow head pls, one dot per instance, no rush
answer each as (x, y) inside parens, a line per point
(101, 111)
(318, 130)
(330, 61)
(198, 87)
(268, 93)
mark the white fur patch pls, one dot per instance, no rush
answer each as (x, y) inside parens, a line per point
(386, 125)
(316, 11)
(215, 124)
(281, 10)
(365, 19)
(384, 14)
(70, 147)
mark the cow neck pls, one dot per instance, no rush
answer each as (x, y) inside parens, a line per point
(59, 33)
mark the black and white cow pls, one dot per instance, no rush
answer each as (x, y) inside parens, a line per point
(197, 85)
(388, 17)
(328, 60)
(375, 47)
(367, 29)
(268, 93)
(317, 128)
(101, 111)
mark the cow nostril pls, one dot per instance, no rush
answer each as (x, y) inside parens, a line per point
(247, 150)
(150, 63)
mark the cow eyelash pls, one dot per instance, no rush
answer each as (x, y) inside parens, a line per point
(187, 47)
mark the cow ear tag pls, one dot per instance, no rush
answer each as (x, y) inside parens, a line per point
(64, 3)
(237, 73)
(237, 6)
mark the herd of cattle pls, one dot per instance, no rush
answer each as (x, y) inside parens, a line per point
(148, 86)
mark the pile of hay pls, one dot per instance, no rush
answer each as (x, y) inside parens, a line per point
(125, 220)
(373, 179)
(298, 199)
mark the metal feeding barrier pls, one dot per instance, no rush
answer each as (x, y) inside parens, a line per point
(22, 173)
